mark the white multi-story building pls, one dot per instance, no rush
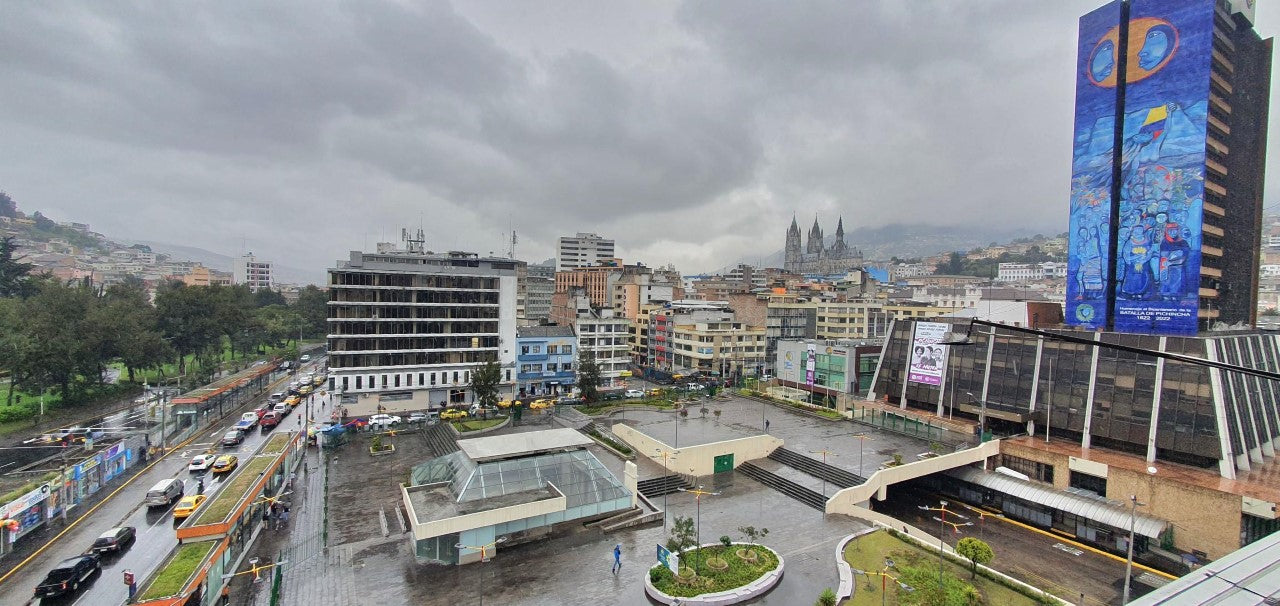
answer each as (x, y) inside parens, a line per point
(583, 250)
(909, 270)
(606, 336)
(249, 270)
(407, 328)
(1027, 272)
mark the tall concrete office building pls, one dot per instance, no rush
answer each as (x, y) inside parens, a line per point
(408, 327)
(582, 250)
(1166, 186)
(251, 271)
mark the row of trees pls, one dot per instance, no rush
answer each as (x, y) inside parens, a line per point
(66, 335)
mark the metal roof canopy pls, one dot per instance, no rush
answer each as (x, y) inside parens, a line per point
(1096, 509)
(507, 446)
(1241, 577)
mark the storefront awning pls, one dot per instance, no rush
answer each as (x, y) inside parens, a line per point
(1093, 508)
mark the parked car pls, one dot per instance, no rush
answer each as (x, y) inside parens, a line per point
(113, 540)
(422, 417)
(66, 577)
(453, 414)
(654, 392)
(269, 420)
(570, 400)
(766, 377)
(164, 493)
(201, 462)
(225, 463)
(635, 393)
(384, 420)
(233, 437)
(697, 387)
(188, 505)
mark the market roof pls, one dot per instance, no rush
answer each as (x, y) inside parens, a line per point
(508, 446)
(1249, 575)
(1097, 509)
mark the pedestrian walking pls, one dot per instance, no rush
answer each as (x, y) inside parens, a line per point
(284, 516)
(617, 558)
(266, 518)
(766, 425)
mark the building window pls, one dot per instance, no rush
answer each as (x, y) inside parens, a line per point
(466, 377)
(397, 381)
(421, 377)
(1085, 481)
(408, 380)
(455, 376)
(457, 396)
(344, 384)
(508, 374)
(433, 378)
(384, 381)
(359, 382)
(1035, 470)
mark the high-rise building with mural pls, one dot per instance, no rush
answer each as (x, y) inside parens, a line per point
(1167, 173)
(814, 257)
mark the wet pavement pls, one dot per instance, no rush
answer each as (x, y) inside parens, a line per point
(155, 527)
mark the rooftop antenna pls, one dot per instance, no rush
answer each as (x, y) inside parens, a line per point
(414, 241)
(511, 254)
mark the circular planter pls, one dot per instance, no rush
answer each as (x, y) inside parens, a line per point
(750, 591)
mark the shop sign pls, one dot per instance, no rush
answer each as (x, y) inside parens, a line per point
(26, 501)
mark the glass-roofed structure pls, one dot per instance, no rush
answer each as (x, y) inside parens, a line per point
(515, 486)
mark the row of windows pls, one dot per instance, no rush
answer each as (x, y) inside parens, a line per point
(399, 280)
(344, 312)
(351, 344)
(424, 379)
(413, 328)
(549, 367)
(552, 349)
(449, 297)
(417, 358)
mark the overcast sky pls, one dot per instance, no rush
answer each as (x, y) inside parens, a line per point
(690, 132)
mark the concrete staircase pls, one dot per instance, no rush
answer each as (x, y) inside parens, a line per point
(809, 497)
(832, 474)
(653, 488)
(439, 439)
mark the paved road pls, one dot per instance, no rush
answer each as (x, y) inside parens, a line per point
(155, 527)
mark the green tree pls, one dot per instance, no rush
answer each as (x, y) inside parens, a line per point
(977, 551)
(484, 383)
(683, 535)
(266, 296)
(954, 265)
(16, 344)
(58, 318)
(44, 223)
(588, 375)
(14, 274)
(313, 307)
(926, 591)
(8, 208)
(186, 318)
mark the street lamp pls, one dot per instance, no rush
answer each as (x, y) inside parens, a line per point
(942, 527)
(666, 457)
(1133, 522)
(698, 493)
(484, 549)
(862, 439)
(824, 452)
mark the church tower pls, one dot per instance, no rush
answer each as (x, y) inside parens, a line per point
(839, 249)
(794, 250)
(815, 239)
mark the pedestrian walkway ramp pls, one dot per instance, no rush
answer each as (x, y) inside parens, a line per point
(809, 497)
(440, 439)
(823, 471)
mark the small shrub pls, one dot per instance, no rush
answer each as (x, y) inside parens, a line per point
(726, 541)
(826, 598)
(376, 444)
(684, 413)
(897, 459)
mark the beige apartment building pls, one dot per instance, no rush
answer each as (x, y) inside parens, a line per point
(852, 320)
(723, 347)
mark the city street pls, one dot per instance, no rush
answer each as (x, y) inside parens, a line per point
(155, 528)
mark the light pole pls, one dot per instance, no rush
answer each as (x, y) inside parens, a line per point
(982, 416)
(824, 452)
(666, 466)
(862, 439)
(942, 527)
(1128, 562)
(484, 557)
(698, 493)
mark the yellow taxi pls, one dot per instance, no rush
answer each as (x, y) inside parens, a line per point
(187, 505)
(292, 400)
(541, 404)
(318, 381)
(453, 414)
(654, 392)
(225, 463)
(504, 403)
(305, 389)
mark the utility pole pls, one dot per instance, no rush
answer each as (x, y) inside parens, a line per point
(1128, 563)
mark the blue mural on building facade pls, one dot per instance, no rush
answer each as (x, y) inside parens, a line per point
(1157, 261)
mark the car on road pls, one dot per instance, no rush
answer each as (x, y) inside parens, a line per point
(655, 392)
(225, 463)
(635, 393)
(201, 462)
(262, 411)
(282, 409)
(453, 414)
(696, 387)
(305, 390)
(318, 380)
(66, 577)
(233, 437)
(251, 417)
(113, 540)
(278, 396)
(305, 358)
(420, 417)
(384, 420)
(270, 420)
(188, 505)
(164, 493)
(293, 400)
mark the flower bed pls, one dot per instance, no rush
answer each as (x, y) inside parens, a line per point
(738, 573)
(599, 408)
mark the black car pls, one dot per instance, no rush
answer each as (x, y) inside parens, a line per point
(67, 576)
(113, 540)
(232, 437)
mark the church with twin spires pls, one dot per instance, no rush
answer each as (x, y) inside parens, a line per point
(814, 257)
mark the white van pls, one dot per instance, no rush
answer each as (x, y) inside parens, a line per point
(165, 492)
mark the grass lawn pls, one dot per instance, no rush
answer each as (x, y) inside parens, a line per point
(477, 424)
(170, 579)
(217, 509)
(603, 407)
(868, 552)
(276, 444)
(739, 573)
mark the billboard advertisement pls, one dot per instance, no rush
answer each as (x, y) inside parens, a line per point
(928, 354)
(1166, 107)
(1089, 226)
(810, 364)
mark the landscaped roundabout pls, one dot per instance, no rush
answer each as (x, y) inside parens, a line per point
(716, 573)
